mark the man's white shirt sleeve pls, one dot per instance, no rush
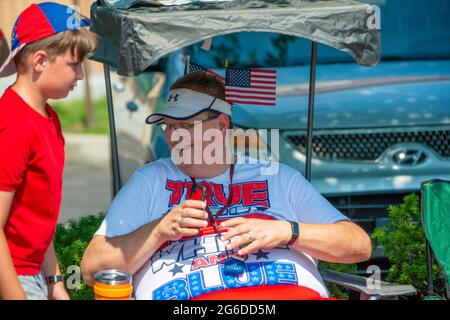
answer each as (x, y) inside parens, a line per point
(130, 208)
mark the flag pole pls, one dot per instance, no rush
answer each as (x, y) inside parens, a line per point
(312, 91)
(186, 65)
(112, 132)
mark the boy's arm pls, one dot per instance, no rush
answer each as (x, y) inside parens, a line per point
(56, 291)
(10, 288)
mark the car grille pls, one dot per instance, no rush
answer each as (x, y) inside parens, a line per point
(367, 210)
(369, 146)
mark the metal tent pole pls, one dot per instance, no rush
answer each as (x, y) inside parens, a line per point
(112, 132)
(312, 90)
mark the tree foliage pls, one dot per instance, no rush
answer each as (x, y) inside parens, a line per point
(403, 242)
(71, 239)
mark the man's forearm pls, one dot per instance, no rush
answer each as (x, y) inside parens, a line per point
(128, 252)
(342, 242)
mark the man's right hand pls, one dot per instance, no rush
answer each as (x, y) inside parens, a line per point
(183, 221)
(129, 252)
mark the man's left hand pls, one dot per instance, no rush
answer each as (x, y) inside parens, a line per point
(255, 234)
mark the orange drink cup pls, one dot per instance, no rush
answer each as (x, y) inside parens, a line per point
(112, 285)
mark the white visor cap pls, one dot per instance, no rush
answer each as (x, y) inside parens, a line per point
(185, 103)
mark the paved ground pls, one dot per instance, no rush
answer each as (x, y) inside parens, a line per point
(87, 176)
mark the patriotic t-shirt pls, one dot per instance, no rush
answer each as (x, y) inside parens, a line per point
(190, 267)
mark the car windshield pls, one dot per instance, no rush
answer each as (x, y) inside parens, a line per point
(421, 31)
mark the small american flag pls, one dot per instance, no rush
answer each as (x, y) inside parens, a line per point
(194, 67)
(251, 86)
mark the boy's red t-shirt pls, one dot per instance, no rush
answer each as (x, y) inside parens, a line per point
(31, 163)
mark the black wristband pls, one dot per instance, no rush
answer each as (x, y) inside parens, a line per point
(54, 279)
(295, 232)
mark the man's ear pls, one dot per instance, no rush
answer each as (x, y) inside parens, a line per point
(224, 122)
(39, 60)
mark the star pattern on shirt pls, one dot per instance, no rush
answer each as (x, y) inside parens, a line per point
(261, 254)
(176, 269)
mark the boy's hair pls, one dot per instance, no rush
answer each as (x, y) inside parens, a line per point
(201, 82)
(78, 42)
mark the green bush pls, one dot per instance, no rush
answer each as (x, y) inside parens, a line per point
(71, 239)
(403, 242)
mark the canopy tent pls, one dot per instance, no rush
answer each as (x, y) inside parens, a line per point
(134, 34)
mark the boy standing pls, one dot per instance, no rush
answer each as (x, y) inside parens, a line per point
(47, 48)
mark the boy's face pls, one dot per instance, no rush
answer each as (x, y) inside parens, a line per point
(59, 76)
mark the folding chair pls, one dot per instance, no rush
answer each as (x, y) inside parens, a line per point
(435, 208)
(368, 289)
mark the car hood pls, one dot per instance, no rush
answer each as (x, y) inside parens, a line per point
(396, 93)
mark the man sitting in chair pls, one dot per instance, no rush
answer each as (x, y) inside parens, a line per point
(257, 235)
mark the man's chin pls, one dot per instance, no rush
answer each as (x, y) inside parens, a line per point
(190, 169)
